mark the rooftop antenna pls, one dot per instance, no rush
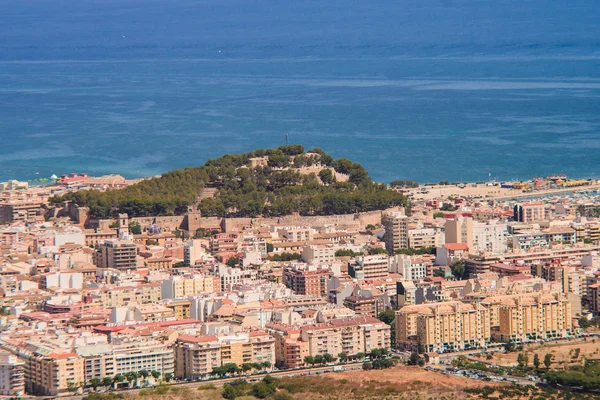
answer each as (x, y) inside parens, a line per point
(286, 139)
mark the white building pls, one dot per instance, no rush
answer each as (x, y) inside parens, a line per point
(411, 267)
(490, 237)
(318, 254)
(12, 378)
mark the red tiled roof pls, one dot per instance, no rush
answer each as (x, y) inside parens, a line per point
(456, 246)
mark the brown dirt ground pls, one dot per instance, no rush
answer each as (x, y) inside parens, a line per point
(560, 351)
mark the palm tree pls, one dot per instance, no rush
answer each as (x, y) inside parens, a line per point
(266, 364)
(144, 374)
(247, 367)
(95, 382)
(118, 379)
(107, 381)
(155, 375)
(132, 377)
(257, 366)
(72, 387)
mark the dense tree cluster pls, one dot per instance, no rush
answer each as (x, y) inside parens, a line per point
(586, 377)
(347, 253)
(244, 190)
(412, 252)
(404, 183)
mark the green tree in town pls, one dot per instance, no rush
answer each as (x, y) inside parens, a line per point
(509, 347)
(155, 375)
(522, 360)
(387, 317)
(548, 358)
(257, 366)
(328, 357)
(107, 381)
(247, 367)
(458, 269)
(132, 378)
(439, 272)
(376, 250)
(319, 359)
(414, 358)
(536, 361)
(233, 261)
(144, 374)
(230, 392)
(135, 228)
(584, 323)
(343, 357)
(72, 387)
(95, 383)
(118, 379)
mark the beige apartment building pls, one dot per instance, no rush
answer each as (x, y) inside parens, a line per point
(183, 286)
(100, 360)
(46, 371)
(369, 267)
(443, 327)
(454, 326)
(531, 316)
(117, 254)
(396, 231)
(121, 296)
(349, 335)
(196, 356)
(317, 254)
(12, 375)
(19, 210)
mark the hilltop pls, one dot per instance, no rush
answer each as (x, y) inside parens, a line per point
(270, 183)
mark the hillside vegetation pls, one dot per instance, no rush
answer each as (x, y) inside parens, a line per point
(277, 185)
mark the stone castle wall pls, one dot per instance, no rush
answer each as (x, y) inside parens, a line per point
(357, 221)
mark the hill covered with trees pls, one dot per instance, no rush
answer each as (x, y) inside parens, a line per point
(272, 182)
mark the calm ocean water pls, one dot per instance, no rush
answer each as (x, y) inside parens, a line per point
(417, 89)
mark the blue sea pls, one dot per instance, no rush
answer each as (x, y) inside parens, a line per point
(412, 89)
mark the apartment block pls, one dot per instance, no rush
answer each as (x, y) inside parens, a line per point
(531, 212)
(532, 316)
(47, 371)
(12, 375)
(117, 254)
(19, 211)
(369, 267)
(318, 254)
(306, 279)
(348, 335)
(425, 238)
(196, 356)
(396, 231)
(100, 360)
(410, 267)
(182, 286)
(443, 327)
(121, 296)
